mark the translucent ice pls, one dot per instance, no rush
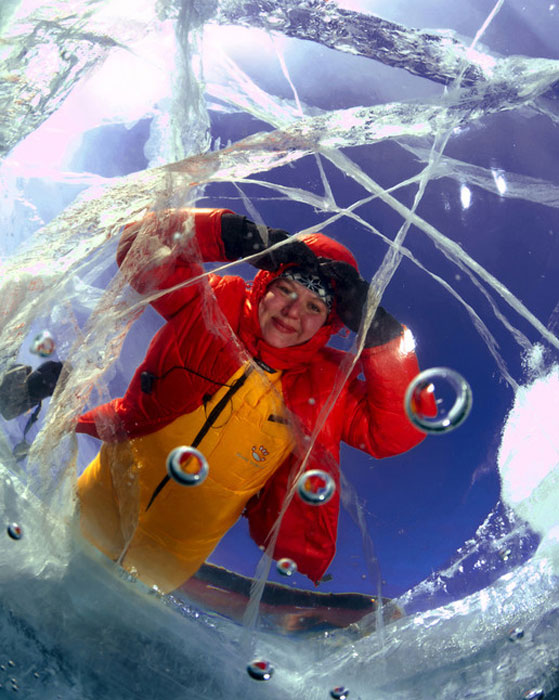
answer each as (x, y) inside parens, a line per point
(529, 460)
(432, 155)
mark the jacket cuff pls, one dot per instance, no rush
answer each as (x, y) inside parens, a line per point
(207, 224)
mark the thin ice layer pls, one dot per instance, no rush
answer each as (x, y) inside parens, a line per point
(87, 253)
(256, 146)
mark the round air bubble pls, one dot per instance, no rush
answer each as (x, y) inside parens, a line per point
(14, 531)
(452, 395)
(286, 566)
(339, 693)
(505, 553)
(187, 466)
(43, 344)
(260, 670)
(316, 487)
(516, 634)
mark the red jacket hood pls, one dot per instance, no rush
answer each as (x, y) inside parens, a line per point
(295, 355)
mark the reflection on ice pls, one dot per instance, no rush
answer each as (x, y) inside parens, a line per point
(15, 531)
(43, 344)
(516, 634)
(286, 566)
(260, 670)
(465, 196)
(452, 410)
(187, 466)
(316, 487)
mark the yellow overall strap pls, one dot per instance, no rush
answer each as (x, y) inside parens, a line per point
(210, 420)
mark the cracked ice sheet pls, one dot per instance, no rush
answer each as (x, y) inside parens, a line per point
(232, 86)
(48, 48)
(247, 95)
(103, 212)
(268, 160)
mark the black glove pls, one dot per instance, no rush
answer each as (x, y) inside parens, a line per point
(242, 238)
(21, 389)
(350, 291)
(42, 382)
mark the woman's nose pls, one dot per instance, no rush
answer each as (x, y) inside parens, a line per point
(291, 308)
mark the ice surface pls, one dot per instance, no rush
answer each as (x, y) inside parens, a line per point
(401, 178)
(529, 459)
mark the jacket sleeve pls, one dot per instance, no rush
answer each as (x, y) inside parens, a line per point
(166, 249)
(376, 420)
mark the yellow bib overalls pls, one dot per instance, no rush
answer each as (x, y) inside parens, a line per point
(164, 531)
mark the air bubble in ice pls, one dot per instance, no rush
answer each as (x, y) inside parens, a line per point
(452, 395)
(15, 531)
(187, 466)
(516, 634)
(260, 670)
(339, 693)
(130, 575)
(534, 694)
(43, 344)
(316, 486)
(286, 566)
(505, 553)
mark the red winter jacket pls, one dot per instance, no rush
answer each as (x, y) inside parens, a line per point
(212, 329)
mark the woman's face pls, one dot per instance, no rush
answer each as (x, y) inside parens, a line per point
(290, 314)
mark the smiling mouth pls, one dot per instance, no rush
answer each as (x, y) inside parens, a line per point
(282, 327)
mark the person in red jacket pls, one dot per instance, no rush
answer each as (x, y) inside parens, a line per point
(243, 373)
